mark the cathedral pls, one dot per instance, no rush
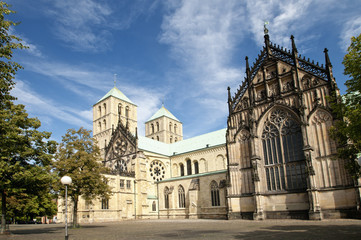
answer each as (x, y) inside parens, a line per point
(275, 159)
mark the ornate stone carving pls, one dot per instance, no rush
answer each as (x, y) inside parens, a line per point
(157, 170)
(321, 117)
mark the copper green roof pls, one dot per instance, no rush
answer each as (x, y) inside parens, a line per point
(115, 92)
(163, 112)
(207, 140)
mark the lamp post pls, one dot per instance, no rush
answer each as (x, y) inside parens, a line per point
(66, 180)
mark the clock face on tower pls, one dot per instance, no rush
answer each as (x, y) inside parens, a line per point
(157, 170)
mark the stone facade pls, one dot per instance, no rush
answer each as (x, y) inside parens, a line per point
(274, 160)
(281, 158)
(143, 169)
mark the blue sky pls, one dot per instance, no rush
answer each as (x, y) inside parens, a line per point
(184, 53)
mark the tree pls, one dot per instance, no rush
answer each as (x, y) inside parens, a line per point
(26, 155)
(79, 158)
(8, 43)
(25, 152)
(346, 130)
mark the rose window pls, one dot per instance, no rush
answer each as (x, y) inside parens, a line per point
(120, 147)
(157, 170)
(121, 166)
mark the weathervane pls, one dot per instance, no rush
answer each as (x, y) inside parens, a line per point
(265, 28)
(115, 79)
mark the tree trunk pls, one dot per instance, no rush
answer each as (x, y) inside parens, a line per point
(3, 212)
(75, 213)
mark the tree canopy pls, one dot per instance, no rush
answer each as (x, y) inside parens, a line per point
(25, 152)
(346, 130)
(8, 43)
(79, 158)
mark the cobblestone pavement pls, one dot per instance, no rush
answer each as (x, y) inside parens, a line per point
(194, 229)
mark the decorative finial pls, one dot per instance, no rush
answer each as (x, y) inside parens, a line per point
(265, 27)
(115, 79)
(293, 44)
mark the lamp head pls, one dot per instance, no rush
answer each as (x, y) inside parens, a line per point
(66, 180)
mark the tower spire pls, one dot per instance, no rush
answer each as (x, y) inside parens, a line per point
(266, 37)
(293, 44)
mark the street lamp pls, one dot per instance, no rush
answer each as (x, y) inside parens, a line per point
(66, 180)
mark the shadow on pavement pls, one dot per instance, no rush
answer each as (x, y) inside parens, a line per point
(304, 232)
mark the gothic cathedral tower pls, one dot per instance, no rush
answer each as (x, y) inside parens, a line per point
(163, 126)
(107, 111)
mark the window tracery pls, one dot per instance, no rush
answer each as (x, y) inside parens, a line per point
(283, 155)
(166, 197)
(157, 170)
(215, 194)
(181, 197)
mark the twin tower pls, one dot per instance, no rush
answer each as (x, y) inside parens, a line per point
(163, 126)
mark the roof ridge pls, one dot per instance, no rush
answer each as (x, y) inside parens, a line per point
(162, 112)
(115, 92)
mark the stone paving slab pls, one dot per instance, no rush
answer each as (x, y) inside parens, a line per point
(193, 229)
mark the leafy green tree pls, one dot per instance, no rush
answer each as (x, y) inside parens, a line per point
(346, 131)
(8, 43)
(25, 156)
(25, 152)
(78, 157)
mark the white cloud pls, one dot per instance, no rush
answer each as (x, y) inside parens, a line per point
(202, 38)
(285, 18)
(42, 107)
(352, 28)
(88, 81)
(82, 24)
(148, 102)
(87, 25)
(32, 48)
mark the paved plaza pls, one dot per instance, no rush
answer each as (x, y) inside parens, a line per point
(194, 229)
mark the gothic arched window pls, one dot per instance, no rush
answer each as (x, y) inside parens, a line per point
(105, 124)
(157, 126)
(189, 167)
(175, 128)
(119, 109)
(196, 167)
(215, 194)
(181, 166)
(166, 197)
(105, 108)
(170, 127)
(282, 150)
(171, 139)
(152, 127)
(181, 197)
(154, 206)
(100, 110)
